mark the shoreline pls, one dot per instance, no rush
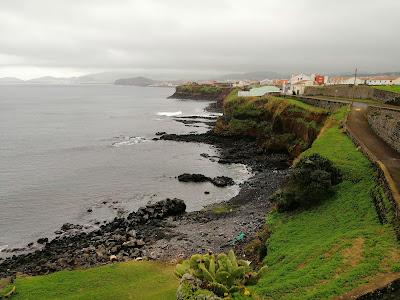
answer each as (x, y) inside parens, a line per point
(172, 236)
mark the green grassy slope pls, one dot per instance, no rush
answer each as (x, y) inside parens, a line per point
(130, 280)
(390, 88)
(333, 248)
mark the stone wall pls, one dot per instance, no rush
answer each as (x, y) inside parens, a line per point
(360, 92)
(328, 105)
(386, 124)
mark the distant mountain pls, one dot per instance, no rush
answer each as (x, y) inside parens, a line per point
(10, 80)
(51, 80)
(138, 81)
(102, 78)
(260, 75)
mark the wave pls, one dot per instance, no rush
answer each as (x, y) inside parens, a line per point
(169, 114)
(3, 247)
(129, 140)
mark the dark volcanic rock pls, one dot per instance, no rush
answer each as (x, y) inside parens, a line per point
(193, 178)
(42, 240)
(125, 238)
(222, 181)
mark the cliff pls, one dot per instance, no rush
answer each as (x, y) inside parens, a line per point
(278, 124)
(202, 92)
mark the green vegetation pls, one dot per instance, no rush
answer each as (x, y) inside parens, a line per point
(222, 274)
(390, 88)
(302, 105)
(339, 245)
(199, 89)
(280, 124)
(310, 182)
(221, 208)
(130, 280)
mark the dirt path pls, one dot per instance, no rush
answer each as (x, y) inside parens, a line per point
(358, 124)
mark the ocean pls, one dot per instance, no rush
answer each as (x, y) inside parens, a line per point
(85, 153)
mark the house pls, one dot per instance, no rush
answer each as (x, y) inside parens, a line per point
(345, 80)
(260, 91)
(279, 83)
(297, 83)
(319, 79)
(299, 87)
(383, 80)
(266, 82)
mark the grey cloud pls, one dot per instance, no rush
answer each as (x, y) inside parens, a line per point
(283, 36)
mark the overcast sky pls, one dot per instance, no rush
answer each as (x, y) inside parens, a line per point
(74, 37)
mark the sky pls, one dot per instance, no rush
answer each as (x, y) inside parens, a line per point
(74, 37)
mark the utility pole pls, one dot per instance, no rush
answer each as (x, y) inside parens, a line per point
(354, 86)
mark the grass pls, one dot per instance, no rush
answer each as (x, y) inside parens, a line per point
(301, 104)
(328, 250)
(129, 280)
(390, 88)
(198, 88)
(222, 208)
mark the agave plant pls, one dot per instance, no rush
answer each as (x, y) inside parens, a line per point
(222, 274)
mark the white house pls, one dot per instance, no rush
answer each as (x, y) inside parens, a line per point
(297, 84)
(299, 87)
(345, 80)
(299, 77)
(383, 80)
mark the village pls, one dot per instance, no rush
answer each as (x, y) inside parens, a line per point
(297, 83)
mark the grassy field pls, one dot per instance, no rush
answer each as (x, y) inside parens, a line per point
(337, 246)
(390, 88)
(130, 280)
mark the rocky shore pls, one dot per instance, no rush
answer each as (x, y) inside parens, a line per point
(163, 230)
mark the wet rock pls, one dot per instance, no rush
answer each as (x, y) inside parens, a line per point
(193, 178)
(222, 181)
(42, 240)
(219, 181)
(69, 226)
(160, 133)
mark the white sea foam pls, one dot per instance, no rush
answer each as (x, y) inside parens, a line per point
(3, 247)
(129, 140)
(169, 114)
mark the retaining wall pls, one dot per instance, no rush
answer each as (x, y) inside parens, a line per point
(359, 91)
(330, 105)
(386, 124)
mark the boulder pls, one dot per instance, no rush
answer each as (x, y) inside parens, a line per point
(222, 181)
(186, 177)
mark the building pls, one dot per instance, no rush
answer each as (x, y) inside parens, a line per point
(383, 80)
(266, 81)
(319, 79)
(345, 80)
(297, 83)
(260, 91)
(299, 87)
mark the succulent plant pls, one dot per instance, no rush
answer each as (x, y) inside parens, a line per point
(223, 274)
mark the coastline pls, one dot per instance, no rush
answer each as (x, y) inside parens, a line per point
(173, 236)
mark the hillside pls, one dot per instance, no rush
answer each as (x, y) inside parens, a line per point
(137, 81)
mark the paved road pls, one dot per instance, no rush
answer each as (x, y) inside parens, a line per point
(358, 124)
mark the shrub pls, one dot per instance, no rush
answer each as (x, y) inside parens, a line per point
(223, 274)
(309, 183)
